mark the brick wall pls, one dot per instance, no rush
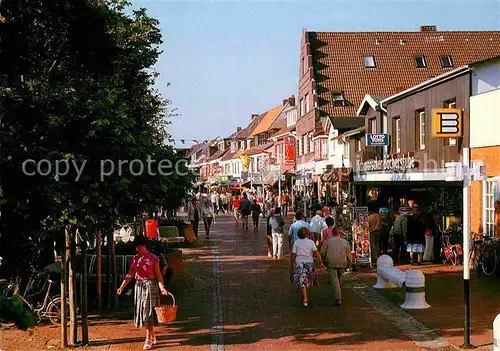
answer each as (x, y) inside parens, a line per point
(491, 156)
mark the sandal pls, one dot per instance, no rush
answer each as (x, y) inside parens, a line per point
(147, 344)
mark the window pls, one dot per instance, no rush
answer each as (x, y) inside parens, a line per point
(300, 146)
(372, 125)
(332, 146)
(420, 130)
(304, 67)
(446, 61)
(324, 149)
(301, 107)
(233, 146)
(249, 143)
(338, 99)
(304, 144)
(242, 146)
(420, 61)
(291, 118)
(451, 103)
(307, 103)
(369, 62)
(491, 187)
(347, 148)
(357, 146)
(396, 132)
(311, 143)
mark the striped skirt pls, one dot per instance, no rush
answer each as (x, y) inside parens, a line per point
(146, 298)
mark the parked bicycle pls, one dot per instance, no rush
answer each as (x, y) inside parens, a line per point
(50, 307)
(489, 255)
(451, 253)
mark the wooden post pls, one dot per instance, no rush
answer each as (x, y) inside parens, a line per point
(64, 307)
(113, 266)
(99, 268)
(109, 236)
(70, 248)
(84, 304)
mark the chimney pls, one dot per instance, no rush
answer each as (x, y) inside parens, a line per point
(238, 129)
(428, 28)
(253, 115)
(291, 100)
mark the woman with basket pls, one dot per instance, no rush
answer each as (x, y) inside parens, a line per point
(145, 268)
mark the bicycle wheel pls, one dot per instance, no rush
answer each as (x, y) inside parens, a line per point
(489, 261)
(53, 312)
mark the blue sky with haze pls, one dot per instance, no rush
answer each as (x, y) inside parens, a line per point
(228, 59)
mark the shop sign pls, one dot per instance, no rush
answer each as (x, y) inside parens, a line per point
(377, 139)
(387, 164)
(289, 151)
(446, 123)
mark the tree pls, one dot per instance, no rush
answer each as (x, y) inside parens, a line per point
(77, 91)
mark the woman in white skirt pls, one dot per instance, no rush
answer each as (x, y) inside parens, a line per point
(145, 268)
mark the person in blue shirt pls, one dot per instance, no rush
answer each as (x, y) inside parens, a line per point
(293, 232)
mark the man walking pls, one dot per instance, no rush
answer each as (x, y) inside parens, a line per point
(277, 223)
(336, 255)
(375, 227)
(293, 232)
(245, 210)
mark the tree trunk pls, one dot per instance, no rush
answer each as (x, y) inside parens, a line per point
(114, 280)
(99, 269)
(83, 292)
(110, 265)
(64, 307)
(73, 323)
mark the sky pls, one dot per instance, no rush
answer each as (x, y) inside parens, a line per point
(226, 60)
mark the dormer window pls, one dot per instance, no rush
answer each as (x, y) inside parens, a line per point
(369, 62)
(446, 61)
(420, 61)
(233, 146)
(242, 146)
(338, 99)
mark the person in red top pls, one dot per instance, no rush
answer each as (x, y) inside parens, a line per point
(236, 205)
(145, 268)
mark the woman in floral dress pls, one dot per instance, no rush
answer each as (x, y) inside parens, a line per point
(302, 263)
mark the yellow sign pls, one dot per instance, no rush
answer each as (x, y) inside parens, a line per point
(447, 123)
(245, 160)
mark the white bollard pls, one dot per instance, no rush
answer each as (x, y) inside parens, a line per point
(415, 291)
(496, 333)
(384, 261)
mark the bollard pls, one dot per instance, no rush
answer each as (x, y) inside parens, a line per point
(415, 291)
(384, 261)
(496, 333)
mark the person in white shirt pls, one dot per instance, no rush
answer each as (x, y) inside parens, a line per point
(317, 226)
(302, 270)
(214, 201)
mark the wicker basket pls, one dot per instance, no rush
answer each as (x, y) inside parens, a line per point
(166, 313)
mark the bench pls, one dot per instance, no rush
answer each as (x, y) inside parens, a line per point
(170, 234)
(413, 281)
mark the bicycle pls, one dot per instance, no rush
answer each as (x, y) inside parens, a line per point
(51, 306)
(489, 256)
(451, 252)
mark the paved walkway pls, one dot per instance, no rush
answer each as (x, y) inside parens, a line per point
(235, 298)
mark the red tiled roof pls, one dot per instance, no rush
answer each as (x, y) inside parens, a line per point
(285, 130)
(338, 61)
(218, 154)
(259, 149)
(267, 121)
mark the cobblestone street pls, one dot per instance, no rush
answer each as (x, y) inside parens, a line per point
(233, 297)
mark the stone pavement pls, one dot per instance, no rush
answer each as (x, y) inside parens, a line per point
(235, 298)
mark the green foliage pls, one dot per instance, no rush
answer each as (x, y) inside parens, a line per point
(77, 85)
(13, 310)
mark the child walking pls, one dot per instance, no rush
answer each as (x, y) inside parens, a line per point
(302, 263)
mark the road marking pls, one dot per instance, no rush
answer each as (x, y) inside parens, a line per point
(415, 330)
(217, 314)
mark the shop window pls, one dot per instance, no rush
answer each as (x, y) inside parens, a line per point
(420, 130)
(396, 132)
(451, 103)
(490, 187)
